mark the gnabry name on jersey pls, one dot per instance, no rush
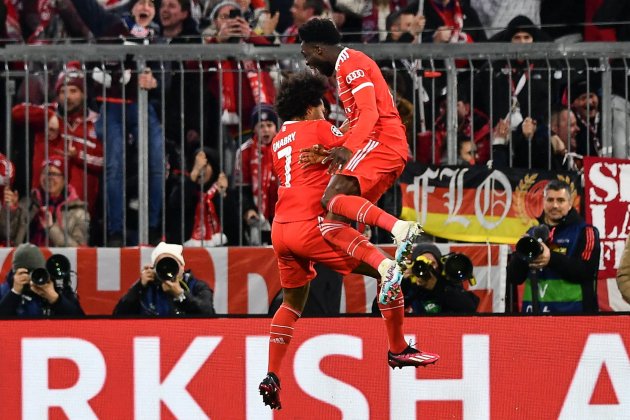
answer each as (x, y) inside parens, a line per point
(283, 141)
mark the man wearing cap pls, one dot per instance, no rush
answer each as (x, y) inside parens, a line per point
(70, 130)
(177, 295)
(57, 216)
(253, 169)
(585, 106)
(520, 88)
(432, 292)
(20, 296)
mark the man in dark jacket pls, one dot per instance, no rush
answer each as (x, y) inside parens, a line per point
(166, 290)
(20, 296)
(520, 88)
(563, 277)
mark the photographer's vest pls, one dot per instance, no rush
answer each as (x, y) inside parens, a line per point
(554, 293)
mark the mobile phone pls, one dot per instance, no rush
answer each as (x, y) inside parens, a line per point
(234, 13)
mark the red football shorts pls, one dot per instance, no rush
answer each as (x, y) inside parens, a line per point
(376, 167)
(298, 246)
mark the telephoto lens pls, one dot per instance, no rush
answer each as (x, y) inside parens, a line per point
(422, 268)
(457, 267)
(40, 276)
(58, 266)
(166, 269)
(528, 248)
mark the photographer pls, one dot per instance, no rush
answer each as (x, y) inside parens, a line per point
(22, 294)
(165, 288)
(564, 267)
(428, 289)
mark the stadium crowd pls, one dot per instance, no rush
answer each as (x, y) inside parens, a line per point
(210, 177)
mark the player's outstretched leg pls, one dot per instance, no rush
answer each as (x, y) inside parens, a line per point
(363, 211)
(391, 276)
(411, 357)
(270, 390)
(405, 234)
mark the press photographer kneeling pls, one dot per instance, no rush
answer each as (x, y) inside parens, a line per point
(36, 287)
(432, 283)
(165, 288)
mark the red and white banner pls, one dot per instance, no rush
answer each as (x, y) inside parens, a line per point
(490, 367)
(243, 276)
(607, 207)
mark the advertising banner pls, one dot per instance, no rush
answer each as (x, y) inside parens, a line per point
(607, 207)
(335, 368)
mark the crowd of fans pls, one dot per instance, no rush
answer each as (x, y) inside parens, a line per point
(73, 181)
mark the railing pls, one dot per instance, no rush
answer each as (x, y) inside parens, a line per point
(461, 68)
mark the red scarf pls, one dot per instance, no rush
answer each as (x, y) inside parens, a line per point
(267, 188)
(261, 87)
(453, 17)
(206, 218)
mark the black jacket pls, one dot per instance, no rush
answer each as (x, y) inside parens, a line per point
(153, 301)
(30, 304)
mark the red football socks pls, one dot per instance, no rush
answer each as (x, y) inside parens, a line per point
(358, 208)
(349, 240)
(394, 315)
(280, 335)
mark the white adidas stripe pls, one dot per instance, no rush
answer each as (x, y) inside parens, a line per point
(362, 153)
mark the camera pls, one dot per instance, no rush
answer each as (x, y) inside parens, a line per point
(529, 247)
(40, 276)
(456, 268)
(57, 269)
(166, 269)
(234, 13)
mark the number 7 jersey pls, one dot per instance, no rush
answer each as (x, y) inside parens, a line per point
(301, 189)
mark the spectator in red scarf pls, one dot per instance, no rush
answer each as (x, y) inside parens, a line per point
(71, 132)
(15, 232)
(229, 26)
(195, 200)
(253, 172)
(57, 216)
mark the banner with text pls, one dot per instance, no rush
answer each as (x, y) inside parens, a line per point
(607, 207)
(477, 204)
(335, 368)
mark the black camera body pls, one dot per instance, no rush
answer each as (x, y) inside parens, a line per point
(166, 269)
(529, 246)
(57, 269)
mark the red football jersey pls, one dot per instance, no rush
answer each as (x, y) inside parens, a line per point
(368, 103)
(301, 189)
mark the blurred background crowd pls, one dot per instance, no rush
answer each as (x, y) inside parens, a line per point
(69, 157)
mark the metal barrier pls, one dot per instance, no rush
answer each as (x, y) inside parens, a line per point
(191, 92)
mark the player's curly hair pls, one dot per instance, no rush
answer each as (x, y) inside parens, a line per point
(320, 31)
(297, 93)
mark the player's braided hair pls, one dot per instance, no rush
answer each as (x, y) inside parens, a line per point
(297, 93)
(320, 31)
